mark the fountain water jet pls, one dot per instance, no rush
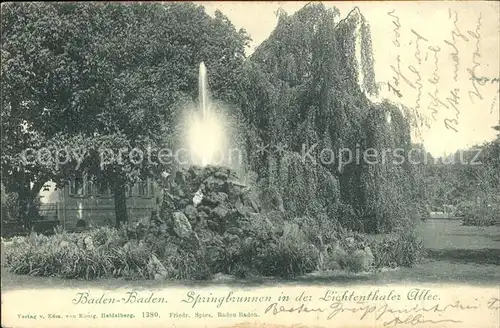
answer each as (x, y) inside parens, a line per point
(203, 91)
(206, 131)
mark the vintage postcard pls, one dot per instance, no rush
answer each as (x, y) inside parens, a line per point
(250, 164)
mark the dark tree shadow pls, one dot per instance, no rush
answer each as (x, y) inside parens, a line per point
(494, 237)
(476, 256)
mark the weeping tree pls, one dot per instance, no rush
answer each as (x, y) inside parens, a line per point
(307, 86)
(389, 188)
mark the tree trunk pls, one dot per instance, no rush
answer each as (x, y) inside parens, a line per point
(28, 210)
(24, 209)
(120, 204)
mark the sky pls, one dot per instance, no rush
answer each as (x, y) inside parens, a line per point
(427, 51)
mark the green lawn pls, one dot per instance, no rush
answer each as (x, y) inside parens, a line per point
(456, 254)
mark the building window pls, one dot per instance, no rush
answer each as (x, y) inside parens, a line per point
(143, 188)
(151, 187)
(89, 187)
(76, 186)
(103, 189)
(129, 190)
(81, 185)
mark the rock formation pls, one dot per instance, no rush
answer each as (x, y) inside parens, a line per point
(206, 210)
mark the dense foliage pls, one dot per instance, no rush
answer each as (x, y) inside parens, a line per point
(302, 88)
(110, 253)
(82, 76)
(113, 75)
(224, 232)
(467, 183)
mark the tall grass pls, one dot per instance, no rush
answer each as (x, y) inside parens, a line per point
(402, 248)
(71, 255)
(295, 248)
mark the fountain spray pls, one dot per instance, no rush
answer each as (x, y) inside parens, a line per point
(203, 91)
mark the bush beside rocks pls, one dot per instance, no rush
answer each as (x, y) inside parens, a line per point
(400, 249)
(209, 224)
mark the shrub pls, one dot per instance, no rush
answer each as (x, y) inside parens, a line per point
(257, 247)
(71, 255)
(290, 256)
(355, 262)
(107, 236)
(178, 263)
(263, 249)
(154, 237)
(318, 230)
(334, 260)
(402, 248)
(480, 214)
(352, 241)
(186, 265)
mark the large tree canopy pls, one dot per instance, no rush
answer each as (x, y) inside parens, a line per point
(88, 75)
